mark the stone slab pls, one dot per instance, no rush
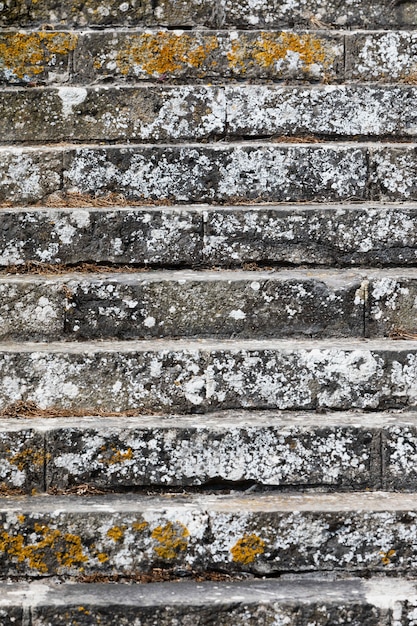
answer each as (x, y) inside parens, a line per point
(228, 448)
(326, 111)
(166, 236)
(36, 57)
(181, 304)
(191, 376)
(400, 454)
(22, 452)
(26, 175)
(391, 302)
(218, 173)
(393, 172)
(203, 55)
(368, 234)
(182, 113)
(262, 534)
(384, 57)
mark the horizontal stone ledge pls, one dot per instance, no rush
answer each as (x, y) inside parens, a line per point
(227, 13)
(191, 376)
(195, 112)
(262, 534)
(335, 235)
(365, 601)
(182, 304)
(191, 173)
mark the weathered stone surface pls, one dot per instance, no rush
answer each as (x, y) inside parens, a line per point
(218, 173)
(106, 12)
(186, 304)
(26, 175)
(393, 172)
(263, 534)
(36, 57)
(177, 55)
(156, 236)
(336, 235)
(268, 448)
(329, 111)
(22, 455)
(187, 13)
(392, 299)
(317, 14)
(296, 602)
(388, 57)
(191, 376)
(112, 113)
(399, 442)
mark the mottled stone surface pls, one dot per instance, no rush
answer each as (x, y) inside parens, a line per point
(36, 57)
(204, 304)
(267, 448)
(400, 453)
(392, 302)
(327, 110)
(190, 376)
(154, 113)
(334, 235)
(204, 174)
(155, 236)
(26, 175)
(388, 57)
(22, 458)
(393, 172)
(215, 55)
(263, 534)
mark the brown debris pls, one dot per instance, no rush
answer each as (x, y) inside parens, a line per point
(27, 409)
(158, 575)
(400, 333)
(33, 267)
(307, 139)
(74, 199)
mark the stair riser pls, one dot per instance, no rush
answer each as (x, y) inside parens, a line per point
(193, 112)
(193, 378)
(230, 236)
(204, 538)
(182, 305)
(227, 13)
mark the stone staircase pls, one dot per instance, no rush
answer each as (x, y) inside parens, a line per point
(208, 298)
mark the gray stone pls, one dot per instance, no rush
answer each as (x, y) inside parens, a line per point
(393, 172)
(191, 376)
(29, 174)
(22, 453)
(392, 301)
(218, 173)
(400, 453)
(144, 236)
(388, 57)
(270, 448)
(323, 235)
(326, 110)
(262, 534)
(112, 113)
(209, 55)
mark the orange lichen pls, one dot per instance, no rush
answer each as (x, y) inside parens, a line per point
(247, 549)
(387, 556)
(119, 457)
(102, 557)
(27, 54)
(27, 458)
(164, 53)
(140, 526)
(116, 533)
(172, 539)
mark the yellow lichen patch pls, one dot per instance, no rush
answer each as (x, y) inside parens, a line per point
(102, 557)
(387, 556)
(163, 53)
(27, 458)
(247, 549)
(140, 526)
(238, 55)
(28, 54)
(116, 533)
(172, 539)
(120, 457)
(51, 548)
(21, 518)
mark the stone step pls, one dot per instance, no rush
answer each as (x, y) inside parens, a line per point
(226, 13)
(197, 112)
(238, 173)
(225, 450)
(375, 602)
(192, 236)
(195, 376)
(262, 534)
(189, 304)
(227, 304)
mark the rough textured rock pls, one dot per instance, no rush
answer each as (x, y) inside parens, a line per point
(112, 113)
(22, 450)
(400, 453)
(388, 57)
(28, 174)
(360, 532)
(156, 236)
(392, 303)
(190, 376)
(181, 304)
(393, 170)
(268, 448)
(214, 56)
(334, 235)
